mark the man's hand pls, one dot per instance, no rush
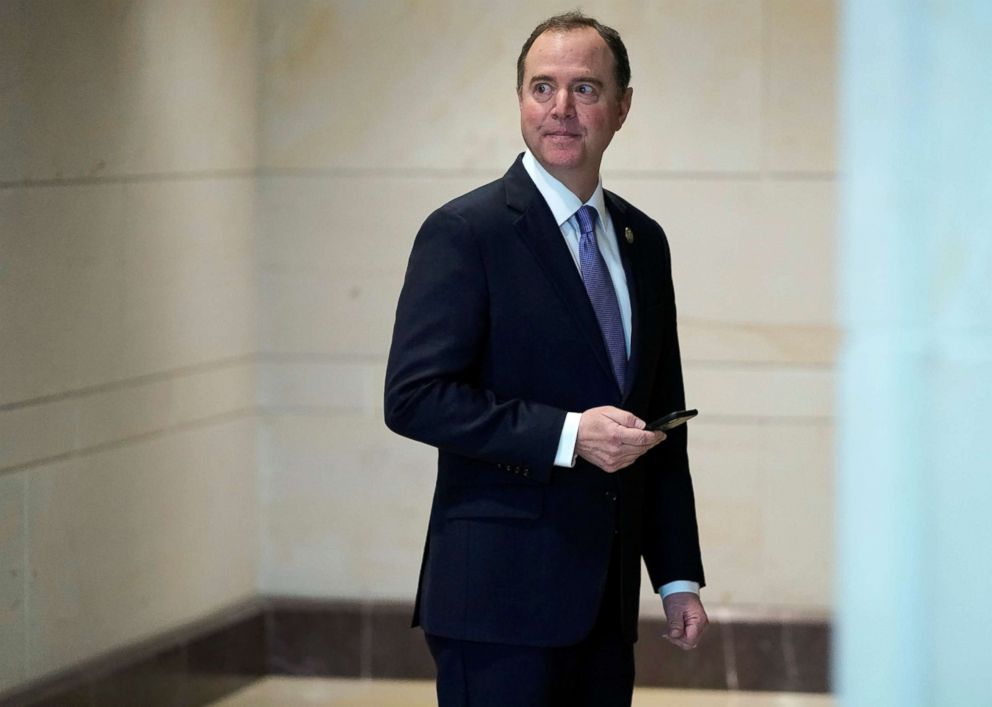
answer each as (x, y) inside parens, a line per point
(686, 619)
(612, 438)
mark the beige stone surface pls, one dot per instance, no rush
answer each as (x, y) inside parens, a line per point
(107, 282)
(217, 390)
(335, 224)
(801, 92)
(61, 288)
(431, 86)
(349, 314)
(697, 76)
(344, 507)
(188, 265)
(745, 251)
(769, 393)
(110, 88)
(38, 431)
(348, 387)
(728, 342)
(339, 692)
(49, 429)
(13, 601)
(798, 551)
(135, 540)
(764, 500)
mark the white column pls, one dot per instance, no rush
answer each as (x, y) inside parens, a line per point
(914, 518)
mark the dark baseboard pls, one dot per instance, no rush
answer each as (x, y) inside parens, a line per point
(202, 662)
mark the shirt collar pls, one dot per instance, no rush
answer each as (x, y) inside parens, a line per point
(562, 202)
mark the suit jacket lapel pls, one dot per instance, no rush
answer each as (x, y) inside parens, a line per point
(537, 226)
(634, 269)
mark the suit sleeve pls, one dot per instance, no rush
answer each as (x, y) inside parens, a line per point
(671, 537)
(434, 392)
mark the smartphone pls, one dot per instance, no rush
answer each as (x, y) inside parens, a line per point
(672, 419)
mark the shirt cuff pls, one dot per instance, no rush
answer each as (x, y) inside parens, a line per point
(679, 585)
(565, 455)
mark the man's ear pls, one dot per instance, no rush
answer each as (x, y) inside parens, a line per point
(624, 105)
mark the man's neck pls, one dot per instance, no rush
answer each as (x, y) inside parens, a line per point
(582, 185)
(582, 182)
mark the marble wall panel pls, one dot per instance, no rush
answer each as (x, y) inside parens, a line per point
(349, 85)
(344, 507)
(49, 429)
(107, 282)
(358, 85)
(327, 386)
(760, 392)
(117, 539)
(38, 431)
(13, 601)
(340, 223)
(801, 85)
(696, 70)
(112, 88)
(728, 342)
(188, 272)
(348, 314)
(745, 251)
(201, 394)
(764, 505)
(60, 294)
(798, 551)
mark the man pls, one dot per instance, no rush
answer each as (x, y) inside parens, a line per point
(533, 339)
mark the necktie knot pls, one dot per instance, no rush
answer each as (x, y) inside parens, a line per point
(587, 219)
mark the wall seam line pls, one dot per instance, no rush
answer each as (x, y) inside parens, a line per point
(209, 420)
(135, 381)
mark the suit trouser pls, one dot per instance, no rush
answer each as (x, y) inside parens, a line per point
(596, 672)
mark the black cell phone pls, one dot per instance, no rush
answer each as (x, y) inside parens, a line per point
(672, 419)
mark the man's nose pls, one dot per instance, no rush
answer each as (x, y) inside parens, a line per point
(564, 106)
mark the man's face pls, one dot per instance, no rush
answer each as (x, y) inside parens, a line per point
(569, 102)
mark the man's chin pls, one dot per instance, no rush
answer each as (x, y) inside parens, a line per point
(561, 158)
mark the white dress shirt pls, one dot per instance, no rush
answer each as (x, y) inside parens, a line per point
(563, 204)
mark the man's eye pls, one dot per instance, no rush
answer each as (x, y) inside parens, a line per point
(585, 89)
(542, 89)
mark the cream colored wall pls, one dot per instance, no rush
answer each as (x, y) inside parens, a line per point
(373, 114)
(127, 326)
(205, 214)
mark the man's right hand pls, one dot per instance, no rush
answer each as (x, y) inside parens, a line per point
(612, 438)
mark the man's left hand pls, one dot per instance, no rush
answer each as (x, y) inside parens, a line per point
(686, 619)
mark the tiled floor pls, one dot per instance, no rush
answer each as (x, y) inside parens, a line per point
(303, 692)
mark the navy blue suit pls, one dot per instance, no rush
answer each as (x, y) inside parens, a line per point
(495, 339)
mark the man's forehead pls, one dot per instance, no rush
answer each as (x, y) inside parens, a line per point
(572, 45)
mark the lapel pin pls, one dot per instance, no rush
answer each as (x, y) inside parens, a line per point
(628, 234)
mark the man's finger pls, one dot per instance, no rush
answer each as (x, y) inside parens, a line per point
(639, 438)
(691, 634)
(624, 418)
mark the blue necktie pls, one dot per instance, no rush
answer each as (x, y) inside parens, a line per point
(599, 287)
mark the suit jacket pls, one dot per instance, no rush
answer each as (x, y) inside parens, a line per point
(494, 340)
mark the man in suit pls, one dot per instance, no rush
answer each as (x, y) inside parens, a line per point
(535, 334)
